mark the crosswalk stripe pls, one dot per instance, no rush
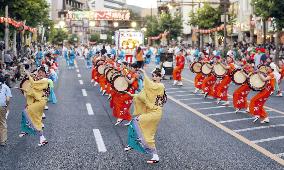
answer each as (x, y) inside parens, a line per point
(269, 139)
(229, 131)
(251, 118)
(257, 128)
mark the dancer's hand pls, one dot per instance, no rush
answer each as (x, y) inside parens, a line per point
(142, 70)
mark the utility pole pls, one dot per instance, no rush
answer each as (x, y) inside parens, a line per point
(6, 29)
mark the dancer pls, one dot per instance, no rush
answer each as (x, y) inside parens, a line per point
(222, 88)
(148, 105)
(180, 60)
(36, 100)
(256, 106)
(240, 95)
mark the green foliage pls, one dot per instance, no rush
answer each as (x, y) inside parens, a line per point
(35, 12)
(95, 37)
(73, 39)
(206, 17)
(57, 36)
(157, 25)
(270, 8)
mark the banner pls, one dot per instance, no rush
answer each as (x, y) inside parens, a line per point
(99, 15)
(19, 25)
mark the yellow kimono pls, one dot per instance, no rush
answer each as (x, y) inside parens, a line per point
(148, 106)
(36, 101)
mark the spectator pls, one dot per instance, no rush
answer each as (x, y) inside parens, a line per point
(5, 95)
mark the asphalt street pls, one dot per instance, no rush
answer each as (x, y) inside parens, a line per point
(81, 132)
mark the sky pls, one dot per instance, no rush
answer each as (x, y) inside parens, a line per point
(143, 3)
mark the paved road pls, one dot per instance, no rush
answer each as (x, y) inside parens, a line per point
(81, 134)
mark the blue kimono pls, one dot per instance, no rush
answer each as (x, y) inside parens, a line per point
(39, 57)
(72, 58)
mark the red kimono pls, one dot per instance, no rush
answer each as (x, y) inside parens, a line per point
(222, 88)
(256, 106)
(180, 61)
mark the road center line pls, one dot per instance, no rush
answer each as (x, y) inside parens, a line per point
(84, 92)
(172, 92)
(99, 140)
(268, 139)
(81, 82)
(79, 75)
(77, 70)
(231, 132)
(181, 95)
(224, 113)
(89, 109)
(259, 127)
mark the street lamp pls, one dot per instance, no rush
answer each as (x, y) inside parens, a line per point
(61, 24)
(133, 24)
(144, 29)
(115, 24)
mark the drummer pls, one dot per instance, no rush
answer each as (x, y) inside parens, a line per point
(209, 81)
(256, 106)
(199, 77)
(222, 88)
(241, 93)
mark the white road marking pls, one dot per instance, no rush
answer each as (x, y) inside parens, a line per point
(79, 76)
(84, 92)
(230, 96)
(206, 108)
(81, 82)
(259, 127)
(76, 66)
(77, 70)
(190, 94)
(231, 132)
(251, 118)
(224, 113)
(175, 88)
(268, 139)
(192, 99)
(200, 103)
(89, 109)
(172, 92)
(99, 140)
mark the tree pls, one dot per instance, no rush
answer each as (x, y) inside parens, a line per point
(206, 17)
(156, 25)
(58, 36)
(271, 9)
(73, 39)
(95, 37)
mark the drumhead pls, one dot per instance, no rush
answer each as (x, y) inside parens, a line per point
(196, 67)
(238, 76)
(98, 62)
(205, 69)
(106, 70)
(219, 70)
(256, 83)
(101, 69)
(120, 84)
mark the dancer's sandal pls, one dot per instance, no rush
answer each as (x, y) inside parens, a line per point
(43, 143)
(152, 162)
(22, 134)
